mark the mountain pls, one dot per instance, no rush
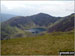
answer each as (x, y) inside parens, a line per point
(40, 19)
(5, 17)
(15, 27)
(66, 24)
(43, 19)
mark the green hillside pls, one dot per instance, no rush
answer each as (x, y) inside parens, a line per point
(47, 44)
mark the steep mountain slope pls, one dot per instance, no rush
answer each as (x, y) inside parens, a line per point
(40, 19)
(66, 24)
(19, 21)
(4, 17)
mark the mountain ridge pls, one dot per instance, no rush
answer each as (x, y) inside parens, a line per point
(37, 19)
(66, 24)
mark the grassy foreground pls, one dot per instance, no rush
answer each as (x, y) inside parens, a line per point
(48, 44)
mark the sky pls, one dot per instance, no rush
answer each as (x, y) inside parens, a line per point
(27, 8)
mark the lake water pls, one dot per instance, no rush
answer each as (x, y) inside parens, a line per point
(36, 30)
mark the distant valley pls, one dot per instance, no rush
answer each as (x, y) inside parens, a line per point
(5, 17)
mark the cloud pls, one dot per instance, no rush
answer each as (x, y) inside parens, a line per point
(26, 8)
(4, 8)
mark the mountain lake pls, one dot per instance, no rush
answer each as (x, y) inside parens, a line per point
(36, 30)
